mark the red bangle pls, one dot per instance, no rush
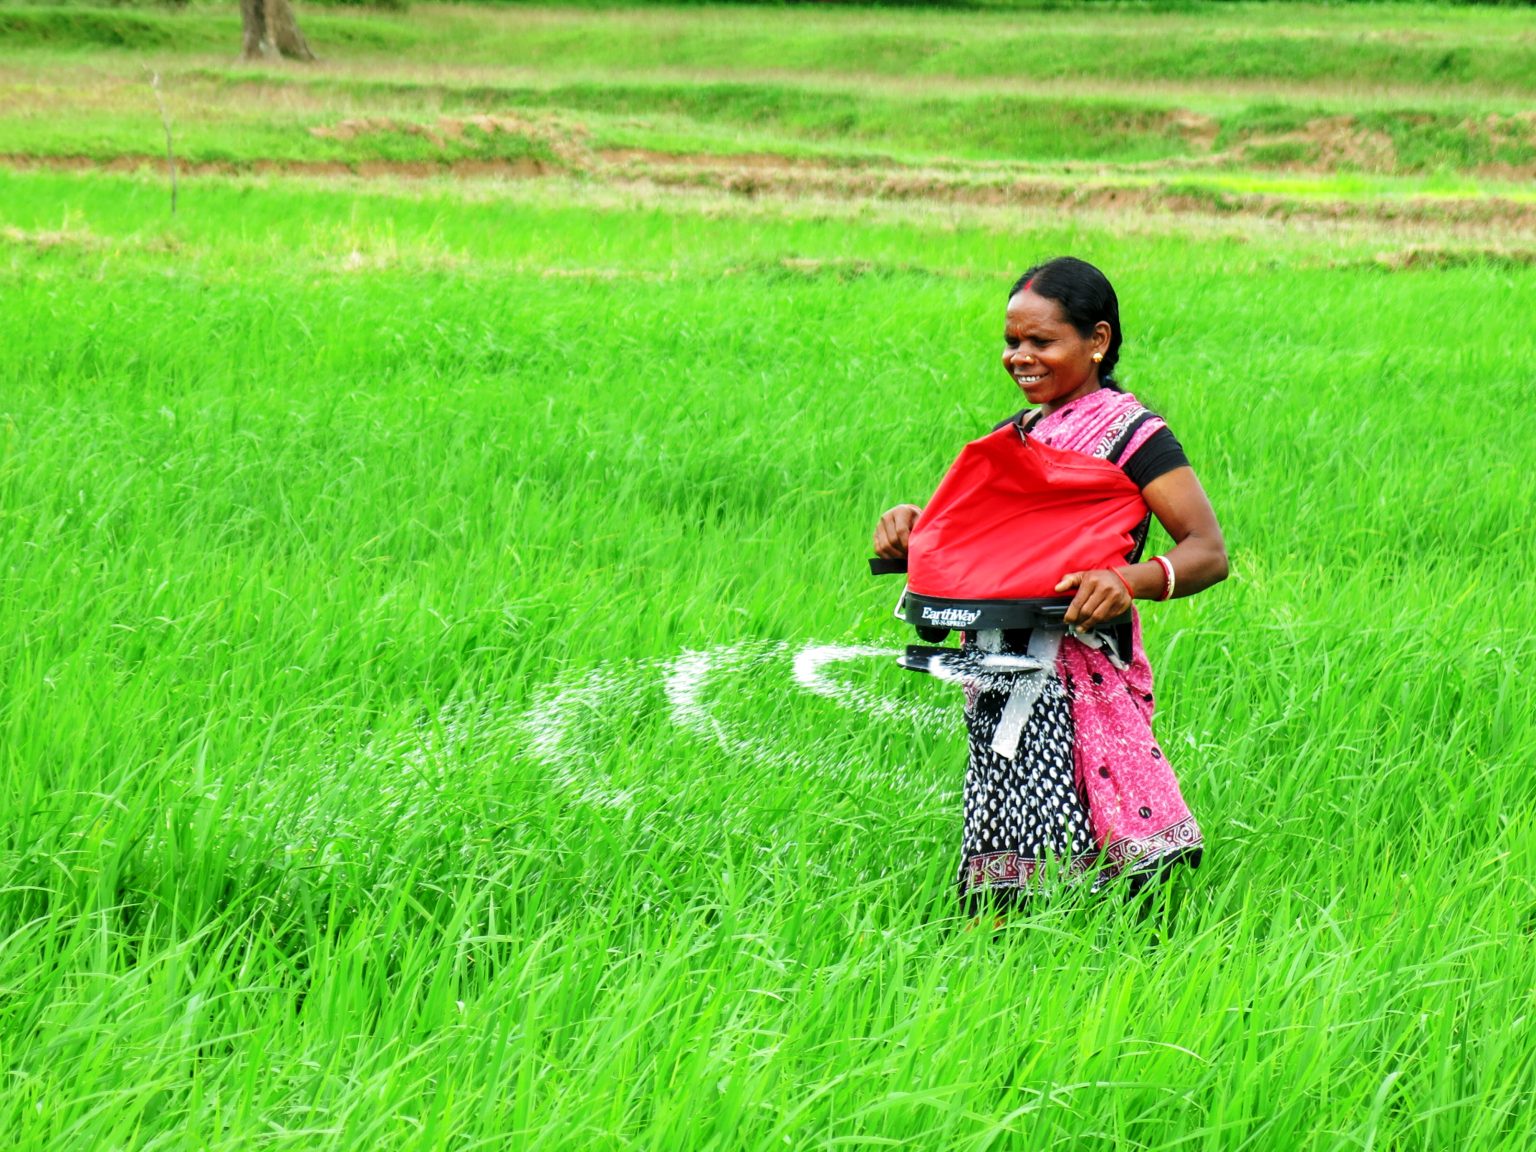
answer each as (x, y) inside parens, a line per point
(1126, 582)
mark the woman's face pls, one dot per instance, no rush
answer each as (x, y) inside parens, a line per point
(1046, 356)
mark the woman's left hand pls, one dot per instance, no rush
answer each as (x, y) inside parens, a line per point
(1101, 596)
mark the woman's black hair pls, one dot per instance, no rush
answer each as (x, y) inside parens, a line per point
(1086, 297)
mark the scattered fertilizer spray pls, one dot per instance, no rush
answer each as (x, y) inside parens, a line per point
(731, 696)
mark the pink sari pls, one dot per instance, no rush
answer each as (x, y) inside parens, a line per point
(1135, 815)
(1137, 812)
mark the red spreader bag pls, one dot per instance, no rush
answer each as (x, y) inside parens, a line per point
(1011, 517)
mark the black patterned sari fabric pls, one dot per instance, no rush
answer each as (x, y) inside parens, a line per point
(1025, 814)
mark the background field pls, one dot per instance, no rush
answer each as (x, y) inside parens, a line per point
(417, 551)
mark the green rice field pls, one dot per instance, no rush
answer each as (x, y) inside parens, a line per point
(443, 704)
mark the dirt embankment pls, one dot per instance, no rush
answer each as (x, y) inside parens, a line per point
(456, 138)
(512, 148)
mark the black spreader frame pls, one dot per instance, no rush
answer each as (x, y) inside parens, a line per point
(935, 617)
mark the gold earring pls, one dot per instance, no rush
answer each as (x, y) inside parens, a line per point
(1097, 357)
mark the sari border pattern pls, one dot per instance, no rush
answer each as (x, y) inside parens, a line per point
(1124, 857)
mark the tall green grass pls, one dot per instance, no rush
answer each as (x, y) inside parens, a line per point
(308, 502)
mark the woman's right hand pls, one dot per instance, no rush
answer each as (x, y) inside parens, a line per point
(894, 528)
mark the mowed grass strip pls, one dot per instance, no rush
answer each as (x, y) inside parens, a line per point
(1476, 48)
(302, 551)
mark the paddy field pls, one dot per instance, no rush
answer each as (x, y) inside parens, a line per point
(442, 701)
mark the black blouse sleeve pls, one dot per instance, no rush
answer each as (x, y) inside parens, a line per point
(1161, 453)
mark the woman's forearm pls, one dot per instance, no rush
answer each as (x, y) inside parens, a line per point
(1198, 562)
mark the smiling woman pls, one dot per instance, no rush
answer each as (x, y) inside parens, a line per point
(1068, 770)
(1053, 362)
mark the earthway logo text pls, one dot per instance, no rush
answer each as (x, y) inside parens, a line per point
(951, 617)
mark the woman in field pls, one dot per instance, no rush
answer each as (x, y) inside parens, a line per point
(1087, 782)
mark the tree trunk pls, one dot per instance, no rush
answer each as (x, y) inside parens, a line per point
(253, 29)
(269, 27)
(284, 26)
